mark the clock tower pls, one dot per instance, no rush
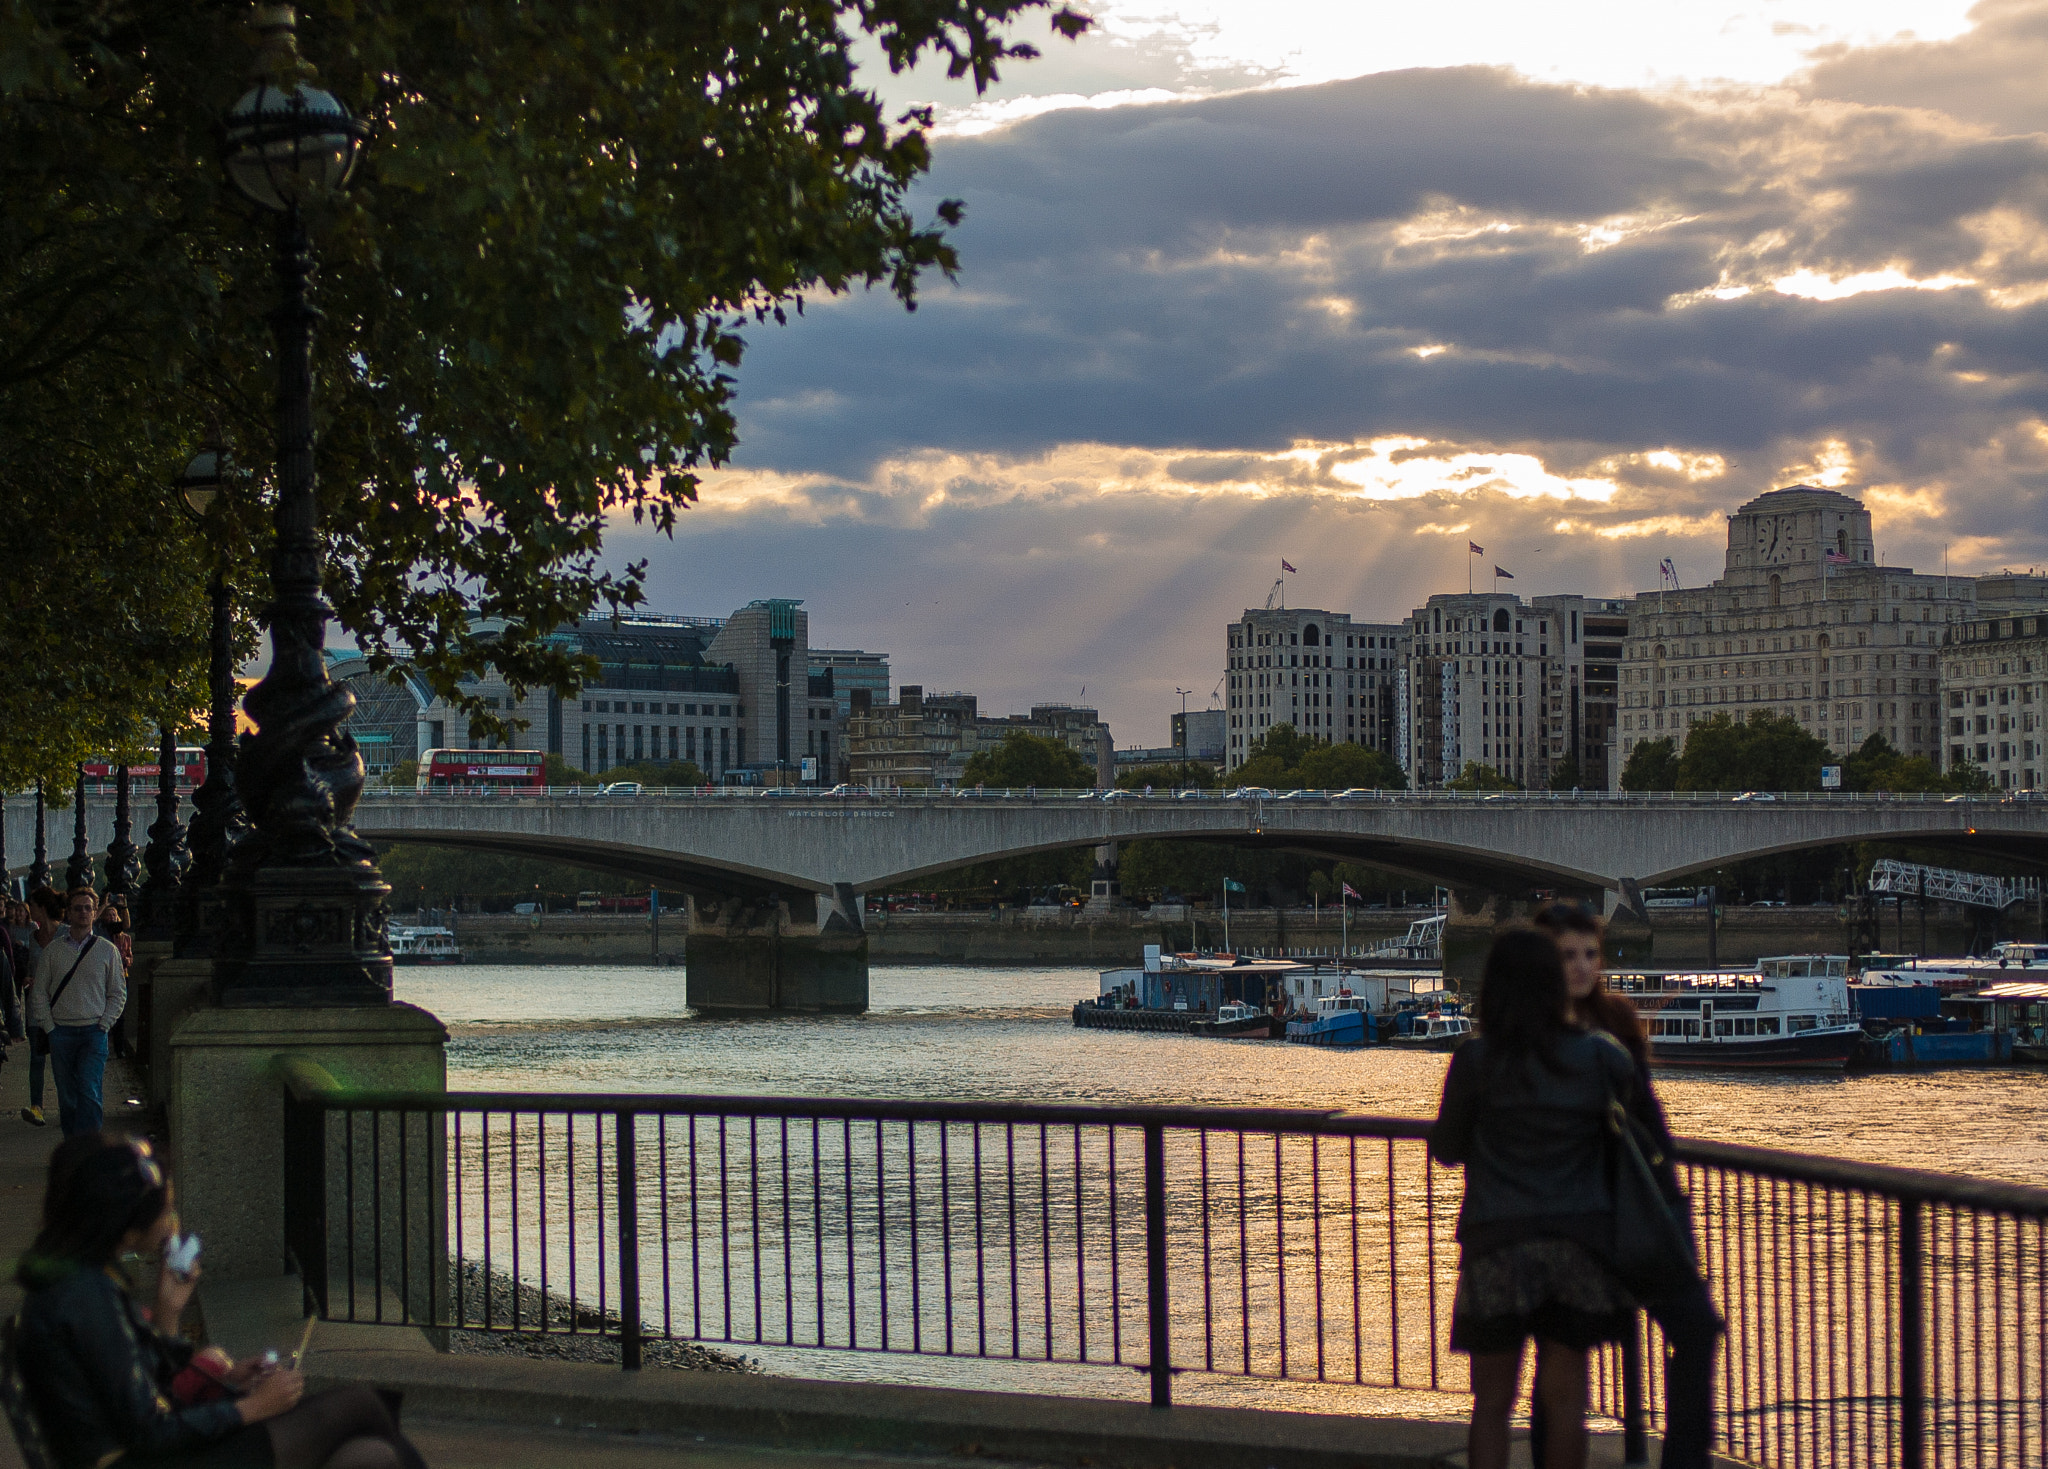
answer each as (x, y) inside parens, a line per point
(1786, 534)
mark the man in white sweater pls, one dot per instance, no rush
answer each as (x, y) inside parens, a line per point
(79, 990)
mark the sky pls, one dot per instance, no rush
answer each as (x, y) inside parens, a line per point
(1355, 284)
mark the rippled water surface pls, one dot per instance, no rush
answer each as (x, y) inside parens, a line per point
(997, 1032)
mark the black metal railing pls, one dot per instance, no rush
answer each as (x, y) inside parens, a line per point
(1876, 1315)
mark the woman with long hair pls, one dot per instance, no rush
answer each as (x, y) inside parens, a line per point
(1525, 1110)
(104, 1373)
(1686, 1313)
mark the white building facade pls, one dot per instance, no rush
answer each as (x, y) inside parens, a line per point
(1805, 621)
(1330, 677)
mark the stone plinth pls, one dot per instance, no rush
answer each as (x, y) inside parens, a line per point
(227, 1130)
(176, 988)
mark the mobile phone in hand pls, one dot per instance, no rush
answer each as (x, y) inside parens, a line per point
(181, 1255)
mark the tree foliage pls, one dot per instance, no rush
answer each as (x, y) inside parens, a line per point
(535, 303)
(1652, 766)
(1285, 758)
(1477, 777)
(1174, 776)
(1765, 752)
(1024, 760)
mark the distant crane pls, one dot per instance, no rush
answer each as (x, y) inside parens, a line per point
(1278, 594)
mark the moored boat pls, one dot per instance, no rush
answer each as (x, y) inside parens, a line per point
(1237, 1020)
(424, 945)
(1791, 1013)
(1433, 1030)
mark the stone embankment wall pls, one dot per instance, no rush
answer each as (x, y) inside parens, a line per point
(1047, 936)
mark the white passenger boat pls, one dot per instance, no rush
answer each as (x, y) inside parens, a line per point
(1791, 1013)
(422, 945)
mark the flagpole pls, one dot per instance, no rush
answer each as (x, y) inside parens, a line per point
(1344, 945)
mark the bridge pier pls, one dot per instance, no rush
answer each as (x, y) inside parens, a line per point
(1475, 916)
(797, 951)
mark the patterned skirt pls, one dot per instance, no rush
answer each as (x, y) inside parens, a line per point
(1555, 1290)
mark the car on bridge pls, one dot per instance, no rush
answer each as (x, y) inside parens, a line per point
(621, 788)
(1250, 793)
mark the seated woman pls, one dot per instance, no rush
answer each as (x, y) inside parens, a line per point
(100, 1373)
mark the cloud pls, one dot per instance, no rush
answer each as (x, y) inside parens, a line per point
(1356, 324)
(1989, 75)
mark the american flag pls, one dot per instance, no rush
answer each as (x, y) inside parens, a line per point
(1837, 558)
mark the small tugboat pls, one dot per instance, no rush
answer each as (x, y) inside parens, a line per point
(1237, 1021)
(1342, 1019)
(424, 946)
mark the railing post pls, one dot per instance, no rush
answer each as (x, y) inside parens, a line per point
(1158, 1319)
(1635, 1443)
(305, 1194)
(1912, 1338)
(629, 1246)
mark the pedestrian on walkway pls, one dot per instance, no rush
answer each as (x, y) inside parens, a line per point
(1525, 1110)
(1692, 1327)
(77, 996)
(115, 928)
(111, 1380)
(46, 918)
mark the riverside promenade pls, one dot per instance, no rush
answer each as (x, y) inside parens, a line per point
(499, 1412)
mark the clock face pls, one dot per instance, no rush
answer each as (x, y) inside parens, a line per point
(1770, 539)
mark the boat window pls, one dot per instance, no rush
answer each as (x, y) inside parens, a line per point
(1692, 1027)
(1767, 1025)
(1746, 1025)
(1798, 1023)
(1724, 1027)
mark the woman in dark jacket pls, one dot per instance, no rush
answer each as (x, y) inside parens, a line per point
(1524, 1109)
(100, 1373)
(1685, 1313)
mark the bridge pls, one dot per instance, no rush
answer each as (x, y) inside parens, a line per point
(775, 878)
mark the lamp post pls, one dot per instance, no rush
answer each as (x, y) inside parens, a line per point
(121, 865)
(217, 818)
(166, 857)
(306, 909)
(39, 869)
(78, 871)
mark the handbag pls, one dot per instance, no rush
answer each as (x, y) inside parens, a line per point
(1653, 1252)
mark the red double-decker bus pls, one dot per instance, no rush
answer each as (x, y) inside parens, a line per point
(518, 772)
(189, 763)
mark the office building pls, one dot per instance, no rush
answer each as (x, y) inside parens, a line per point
(927, 739)
(853, 668)
(1489, 680)
(1805, 621)
(1328, 676)
(1994, 688)
(733, 694)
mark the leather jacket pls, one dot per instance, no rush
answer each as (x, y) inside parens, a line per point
(100, 1375)
(1533, 1138)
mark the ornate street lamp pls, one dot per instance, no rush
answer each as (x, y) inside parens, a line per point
(306, 908)
(39, 869)
(166, 856)
(121, 869)
(78, 871)
(217, 818)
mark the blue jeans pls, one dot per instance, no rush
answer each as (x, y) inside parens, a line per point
(78, 1065)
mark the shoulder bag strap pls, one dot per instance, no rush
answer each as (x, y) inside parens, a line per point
(65, 982)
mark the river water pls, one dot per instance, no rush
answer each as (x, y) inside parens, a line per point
(1004, 1033)
(989, 1032)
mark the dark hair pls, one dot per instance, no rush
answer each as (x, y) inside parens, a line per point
(49, 900)
(101, 1185)
(1613, 1013)
(91, 892)
(1522, 995)
(1562, 918)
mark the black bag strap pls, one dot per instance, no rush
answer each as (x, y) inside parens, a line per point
(65, 982)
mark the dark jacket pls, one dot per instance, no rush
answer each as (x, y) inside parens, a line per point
(100, 1375)
(1533, 1139)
